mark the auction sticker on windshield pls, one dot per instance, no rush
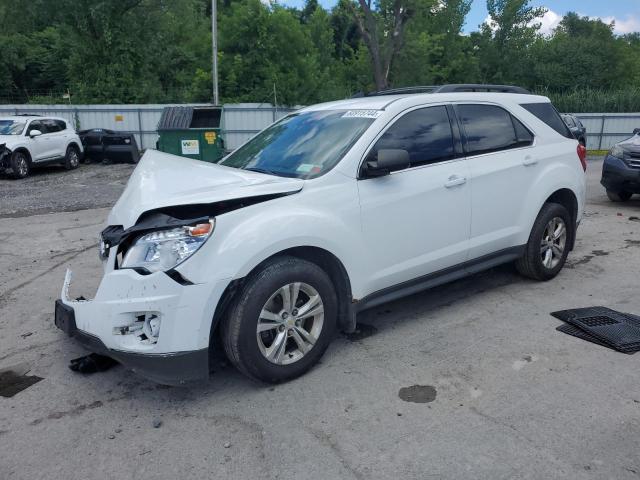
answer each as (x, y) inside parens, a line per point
(362, 114)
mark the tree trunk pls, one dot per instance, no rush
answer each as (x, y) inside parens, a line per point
(381, 56)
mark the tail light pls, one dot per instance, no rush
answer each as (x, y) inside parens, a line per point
(582, 155)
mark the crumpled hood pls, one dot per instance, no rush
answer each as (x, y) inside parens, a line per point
(164, 180)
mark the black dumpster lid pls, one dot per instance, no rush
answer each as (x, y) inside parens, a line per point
(181, 118)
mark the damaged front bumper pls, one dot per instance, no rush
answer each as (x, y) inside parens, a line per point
(116, 323)
(5, 157)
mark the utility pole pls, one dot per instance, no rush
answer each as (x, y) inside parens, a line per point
(214, 36)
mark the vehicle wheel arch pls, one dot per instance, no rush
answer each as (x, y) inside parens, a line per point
(319, 256)
(75, 145)
(26, 152)
(567, 198)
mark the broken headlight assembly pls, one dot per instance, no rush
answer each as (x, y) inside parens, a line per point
(162, 250)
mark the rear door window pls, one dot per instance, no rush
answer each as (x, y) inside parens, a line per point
(549, 115)
(489, 128)
(52, 126)
(424, 133)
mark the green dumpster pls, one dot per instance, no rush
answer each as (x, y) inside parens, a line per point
(192, 132)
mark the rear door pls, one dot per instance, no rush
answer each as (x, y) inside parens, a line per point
(416, 221)
(57, 138)
(502, 166)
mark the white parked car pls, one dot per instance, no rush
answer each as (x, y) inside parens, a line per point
(336, 208)
(29, 141)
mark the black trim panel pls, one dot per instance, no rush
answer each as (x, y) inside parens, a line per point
(438, 278)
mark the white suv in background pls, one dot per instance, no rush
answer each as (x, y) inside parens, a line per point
(28, 141)
(336, 208)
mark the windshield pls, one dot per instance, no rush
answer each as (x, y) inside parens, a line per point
(302, 145)
(11, 127)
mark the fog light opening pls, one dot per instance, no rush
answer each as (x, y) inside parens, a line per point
(145, 326)
(151, 327)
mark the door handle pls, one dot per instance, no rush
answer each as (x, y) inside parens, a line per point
(454, 181)
(529, 161)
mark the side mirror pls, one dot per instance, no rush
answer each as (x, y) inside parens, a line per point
(636, 131)
(35, 133)
(388, 160)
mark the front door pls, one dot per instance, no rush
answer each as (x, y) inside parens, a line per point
(416, 221)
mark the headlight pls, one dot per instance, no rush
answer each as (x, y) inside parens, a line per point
(164, 249)
(617, 151)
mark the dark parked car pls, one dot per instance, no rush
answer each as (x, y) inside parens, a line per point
(102, 145)
(577, 128)
(621, 169)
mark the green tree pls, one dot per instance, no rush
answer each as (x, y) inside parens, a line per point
(504, 44)
(581, 53)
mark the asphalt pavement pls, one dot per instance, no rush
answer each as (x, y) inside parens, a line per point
(467, 381)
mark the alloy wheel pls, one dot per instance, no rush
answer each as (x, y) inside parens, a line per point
(22, 165)
(290, 323)
(73, 158)
(554, 240)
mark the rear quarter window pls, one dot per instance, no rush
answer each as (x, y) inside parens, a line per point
(549, 115)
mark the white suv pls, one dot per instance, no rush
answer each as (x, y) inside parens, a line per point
(28, 141)
(334, 209)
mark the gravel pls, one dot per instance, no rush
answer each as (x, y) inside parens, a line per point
(54, 189)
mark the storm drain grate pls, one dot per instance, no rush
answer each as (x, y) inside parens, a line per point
(601, 325)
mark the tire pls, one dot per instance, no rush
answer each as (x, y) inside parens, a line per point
(536, 263)
(618, 196)
(261, 295)
(20, 165)
(71, 158)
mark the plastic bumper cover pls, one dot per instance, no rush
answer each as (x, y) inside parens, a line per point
(618, 176)
(181, 353)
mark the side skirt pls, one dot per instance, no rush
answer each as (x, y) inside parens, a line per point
(438, 278)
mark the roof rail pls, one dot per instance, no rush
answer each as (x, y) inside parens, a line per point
(398, 91)
(479, 87)
(26, 115)
(458, 87)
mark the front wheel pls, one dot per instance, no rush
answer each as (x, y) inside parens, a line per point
(618, 196)
(282, 322)
(20, 165)
(548, 245)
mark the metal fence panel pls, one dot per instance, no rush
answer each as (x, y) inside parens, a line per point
(606, 129)
(241, 121)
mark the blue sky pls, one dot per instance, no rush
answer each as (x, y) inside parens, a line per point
(626, 13)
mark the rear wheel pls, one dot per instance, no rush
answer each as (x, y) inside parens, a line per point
(282, 322)
(548, 245)
(20, 165)
(618, 196)
(71, 158)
